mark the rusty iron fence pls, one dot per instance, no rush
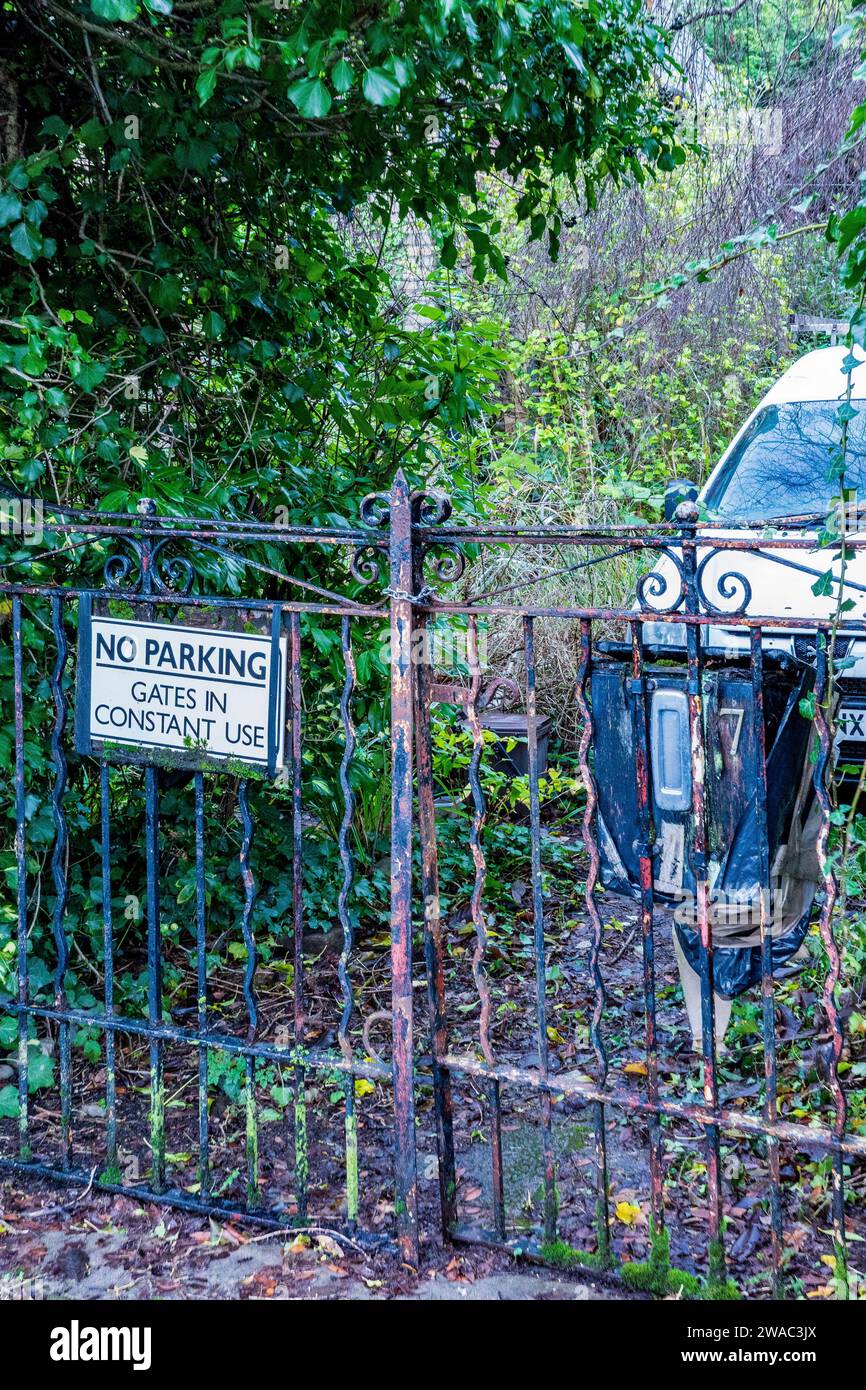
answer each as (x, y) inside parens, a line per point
(404, 555)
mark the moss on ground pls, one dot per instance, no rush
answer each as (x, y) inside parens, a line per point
(563, 1256)
(657, 1275)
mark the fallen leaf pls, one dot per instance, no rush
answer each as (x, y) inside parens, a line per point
(628, 1213)
(326, 1245)
(635, 1068)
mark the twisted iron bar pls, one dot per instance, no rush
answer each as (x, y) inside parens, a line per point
(591, 844)
(346, 856)
(58, 856)
(834, 958)
(246, 917)
(479, 817)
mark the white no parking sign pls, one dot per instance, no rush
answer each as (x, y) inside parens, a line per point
(198, 690)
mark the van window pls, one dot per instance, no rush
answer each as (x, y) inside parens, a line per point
(781, 465)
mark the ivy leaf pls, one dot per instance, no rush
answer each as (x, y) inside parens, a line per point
(573, 54)
(26, 240)
(448, 254)
(122, 10)
(342, 76)
(40, 1070)
(213, 324)
(205, 84)
(823, 587)
(9, 1103)
(311, 97)
(858, 336)
(89, 375)
(10, 208)
(380, 88)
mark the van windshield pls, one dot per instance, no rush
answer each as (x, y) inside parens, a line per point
(780, 467)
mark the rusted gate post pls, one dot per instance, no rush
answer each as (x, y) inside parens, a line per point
(401, 567)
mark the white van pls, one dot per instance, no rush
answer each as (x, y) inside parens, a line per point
(772, 482)
(775, 470)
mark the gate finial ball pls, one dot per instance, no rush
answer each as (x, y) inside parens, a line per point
(687, 513)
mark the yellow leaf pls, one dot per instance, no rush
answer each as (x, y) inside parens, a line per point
(829, 1260)
(628, 1213)
(635, 1068)
(825, 1291)
(554, 1036)
(298, 1245)
(363, 1087)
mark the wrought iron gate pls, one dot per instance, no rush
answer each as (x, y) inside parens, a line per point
(248, 576)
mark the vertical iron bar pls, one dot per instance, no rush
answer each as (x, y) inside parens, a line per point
(21, 869)
(154, 979)
(108, 967)
(249, 883)
(401, 570)
(479, 971)
(687, 514)
(647, 904)
(348, 863)
(550, 1199)
(590, 841)
(834, 958)
(302, 1160)
(147, 510)
(433, 946)
(58, 869)
(204, 1175)
(771, 1108)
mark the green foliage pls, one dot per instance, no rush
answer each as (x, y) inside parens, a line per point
(194, 303)
(197, 306)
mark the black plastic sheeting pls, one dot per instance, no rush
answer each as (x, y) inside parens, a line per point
(732, 751)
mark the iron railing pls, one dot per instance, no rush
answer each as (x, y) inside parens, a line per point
(406, 555)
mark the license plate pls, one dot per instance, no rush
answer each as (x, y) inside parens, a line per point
(851, 724)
